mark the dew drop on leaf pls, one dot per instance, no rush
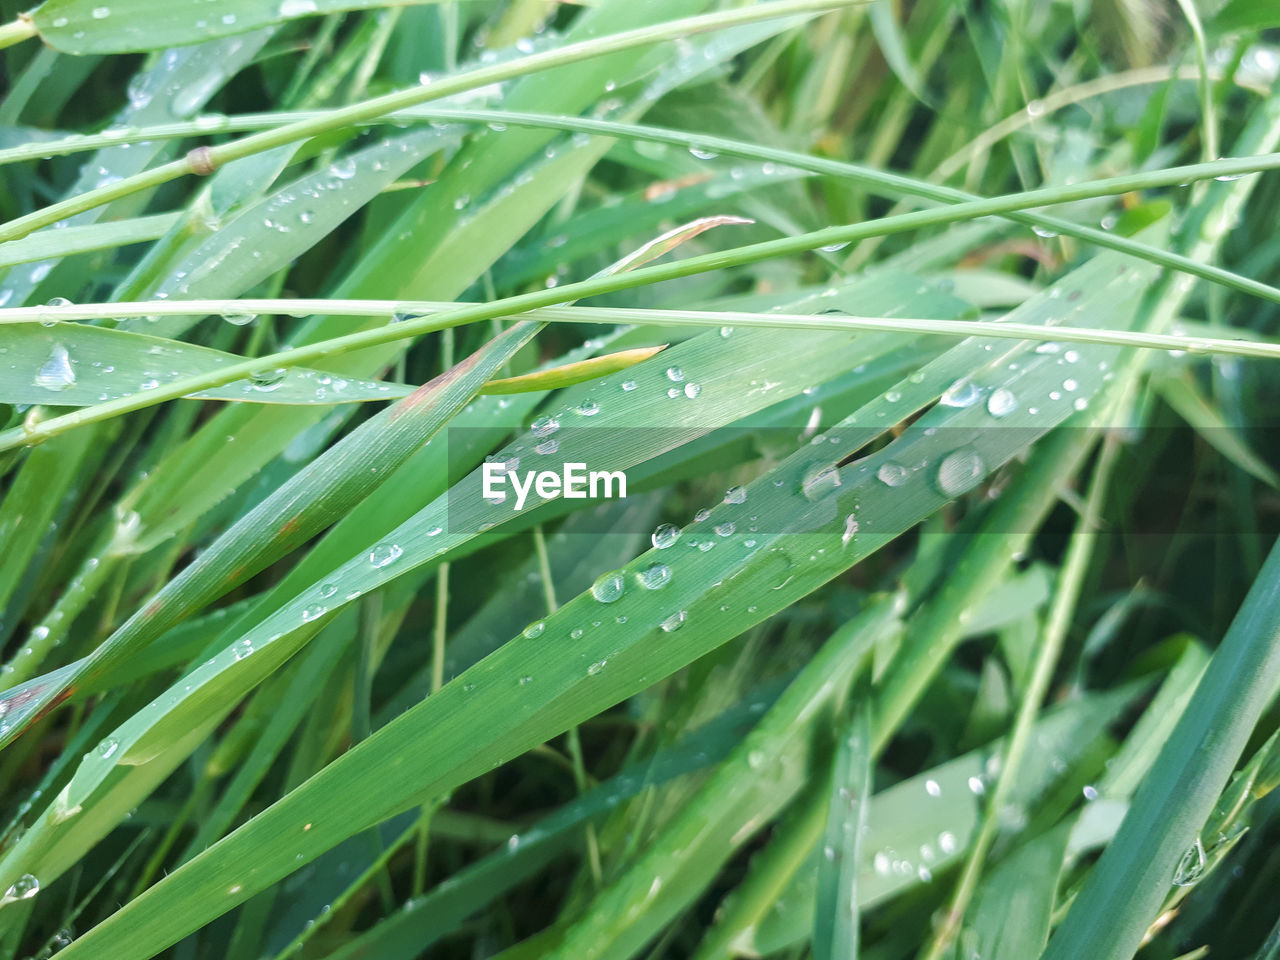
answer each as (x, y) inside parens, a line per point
(665, 536)
(385, 553)
(1001, 403)
(960, 471)
(24, 888)
(675, 621)
(56, 373)
(962, 393)
(608, 587)
(893, 474)
(654, 577)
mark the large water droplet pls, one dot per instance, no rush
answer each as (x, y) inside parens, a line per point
(544, 426)
(665, 536)
(654, 577)
(608, 587)
(56, 373)
(534, 629)
(1192, 865)
(385, 553)
(960, 471)
(106, 748)
(962, 393)
(268, 380)
(819, 480)
(736, 494)
(893, 474)
(24, 888)
(1001, 403)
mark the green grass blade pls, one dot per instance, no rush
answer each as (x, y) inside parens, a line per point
(1124, 890)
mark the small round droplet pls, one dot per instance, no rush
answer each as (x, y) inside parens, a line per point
(587, 408)
(107, 748)
(608, 587)
(691, 390)
(534, 629)
(675, 374)
(628, 385)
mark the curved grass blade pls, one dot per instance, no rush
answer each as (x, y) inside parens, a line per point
(1124, 891)
(836, 921)
(317, 495)
(722, 592)
(77, 365)
(747, 790)
(570, 374)
(136, 26)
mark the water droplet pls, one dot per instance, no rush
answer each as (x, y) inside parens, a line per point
(675, 374)
(24, 888)
(343, 169)
(665, 536)
(850, 530)
(596, 667)
(107, 748)
(962, 393)
(932, 788)
(313, 612)
(239, 319)
(327, 590)
(268, 380)
(819, 480)
(960, 471)
(587, 408)
(1002, 402)
(544, 426)
(1191, 867)
(297, 8)
(675, 621)
(691, 390)
(535, 629)
(702, 154)
(1044, 232)
(893, 474)
(628, 385)
(726, 332)
(385, 553)
(735, 494)
(724, 529)
(655, 576)
(1090, 792)
(608, 587)
(101, 13)
(56, 373)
